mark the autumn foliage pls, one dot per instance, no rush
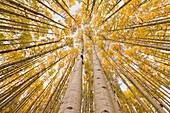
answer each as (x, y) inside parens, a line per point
(84, 56)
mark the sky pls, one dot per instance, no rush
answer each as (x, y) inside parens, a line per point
(73, 10)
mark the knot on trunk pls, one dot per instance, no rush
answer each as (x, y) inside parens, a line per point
(69, 107)
(104, 87)
(105, 111)
(82, 57)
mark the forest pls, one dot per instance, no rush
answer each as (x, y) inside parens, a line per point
(84, 56)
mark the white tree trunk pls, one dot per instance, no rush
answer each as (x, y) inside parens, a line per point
(71, 102)
(104, 99)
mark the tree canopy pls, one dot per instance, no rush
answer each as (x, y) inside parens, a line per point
(84, 55)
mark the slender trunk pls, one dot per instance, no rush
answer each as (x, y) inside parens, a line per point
(87, 5)
(114, 6)
(156, 55)
(6, 73)
(143, 45)
(20, 76)
(30, 10)
(20, 10)
(127, 100)
(116, 11)
(5, 100)
(94, 1)
(120, 104)
(57, 87)
(142, 74)
(91, 94)
(27, 58)
(151, 91)
(136, 95)
(156, 68)
(157, 86)
(19, 43)
(85, 93)
(30, 7)
(142, 91)
(22, 29)
(33, 29)
(25, 24)
(51, 82)
(65, 4)
(24, 100)
(112, 94)
(15, 67)
(159, 62)
(71, 102)
(19, 15)
(27, 47)
(144, 25)
(114, 91)
(50, 8)
(138, 98)
(30, 79)
(161, 41)
(158, 35)
(10, 39)
(160, 81)
(148, 105)
(149, 81)
(57, 2)
(60, 89)
(156, 20)
(102, 98)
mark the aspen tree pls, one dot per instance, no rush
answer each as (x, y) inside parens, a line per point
(71, 102)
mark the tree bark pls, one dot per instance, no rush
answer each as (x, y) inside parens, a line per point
(114, 6)
(57, 2)
(71, 102)
(37, 13)
(19, 15)
(127, 100)
(102, 98)
(10, 20)
(22, 29)
(27, 47)
(143, 45)
(116, 11)
(137, 97)
(50, 8)
(142, 91)
(143, 25)
(27, 58)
